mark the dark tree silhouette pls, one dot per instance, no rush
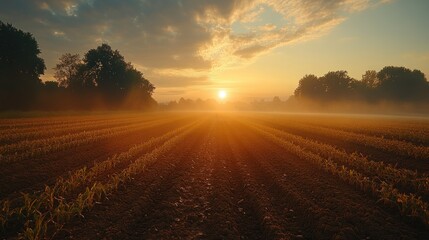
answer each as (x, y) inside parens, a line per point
(137, 89)
(20, 67)
(391, 85)
(309, 88)
(101, 79)
(107, 67)
(134, 80)
(333, 86)
(370, 84)
(51, 85)
(402, 84)
(67, 69)
(337, 85)
(276, 100)
(104, 75)
(370, 79)
(119, 82)
(84, 80)
(73, 74)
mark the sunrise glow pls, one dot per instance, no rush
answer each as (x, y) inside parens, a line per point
(222, 94)
(236, 119)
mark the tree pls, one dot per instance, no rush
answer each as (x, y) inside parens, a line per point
(119, 82)
(402, 84)
(108, 68)
(20, 67)
(51, 85)
(67, 69)
(104, 75)
(369, 85)
(83, 80)
(337, 85)
(138, 90)
(309, 88)
(391, 84)
(73, 74)
(370, 79)
(134, 80)
(277, 100)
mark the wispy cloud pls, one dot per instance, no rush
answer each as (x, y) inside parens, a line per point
(177, 42)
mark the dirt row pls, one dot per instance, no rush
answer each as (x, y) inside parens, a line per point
(32, 174)
(33, 123)
(331, 208)
(373, 153)
(224, 181)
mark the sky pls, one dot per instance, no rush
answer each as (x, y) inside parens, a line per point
(251, 49)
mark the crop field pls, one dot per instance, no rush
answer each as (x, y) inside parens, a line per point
(214, 175)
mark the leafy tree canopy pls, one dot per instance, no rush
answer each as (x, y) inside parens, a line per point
(395, 84)
(20, 65)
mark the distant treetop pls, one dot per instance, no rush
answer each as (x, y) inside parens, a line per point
(392, 84)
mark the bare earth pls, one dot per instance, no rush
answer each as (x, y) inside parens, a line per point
(223, 179)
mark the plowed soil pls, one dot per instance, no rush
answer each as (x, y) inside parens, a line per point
(223, 181)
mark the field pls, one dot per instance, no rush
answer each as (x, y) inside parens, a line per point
(214, 175)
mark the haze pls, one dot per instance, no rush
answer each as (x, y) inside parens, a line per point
(214, 119)
(251, 49)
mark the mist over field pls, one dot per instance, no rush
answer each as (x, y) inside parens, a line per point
(228, 119)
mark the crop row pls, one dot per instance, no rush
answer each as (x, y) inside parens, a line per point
(70, 123)
(27, 123)
(402, 178)
(86, 176)
(56, 123)
(16, 148)
(13, 137)
(43, 214)
(418, 137)
(399, 131)
(407, 130)
(408, 204)
(26, 149)
(397, 147)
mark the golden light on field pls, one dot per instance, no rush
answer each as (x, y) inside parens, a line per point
(222, 94)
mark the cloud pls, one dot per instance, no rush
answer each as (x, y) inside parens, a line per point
(180, 77)
(250, 52)
(172, 40)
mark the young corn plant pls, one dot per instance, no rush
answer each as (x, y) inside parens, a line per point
(408, 204)
(384, 172)
(44, 214)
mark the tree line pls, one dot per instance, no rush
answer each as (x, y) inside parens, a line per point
(390, 84)
(102, 79)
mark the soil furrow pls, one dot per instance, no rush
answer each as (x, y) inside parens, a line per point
(222, 176)
(137, 208)
(348, 213)
(275, 215)
(373, 153)
(231, 212)
(23, 177)
(15, 137)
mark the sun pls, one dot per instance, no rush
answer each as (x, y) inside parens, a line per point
(221, 94)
